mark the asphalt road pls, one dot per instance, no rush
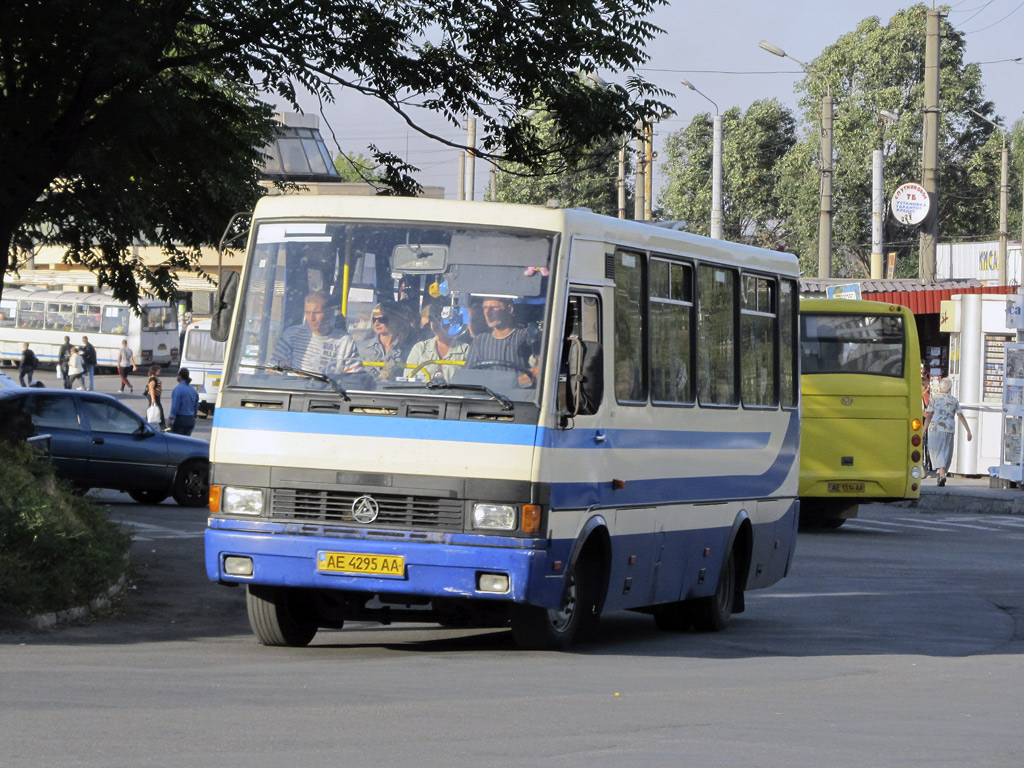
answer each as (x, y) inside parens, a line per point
(896, 641)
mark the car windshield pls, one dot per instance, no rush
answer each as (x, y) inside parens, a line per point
(394, 307)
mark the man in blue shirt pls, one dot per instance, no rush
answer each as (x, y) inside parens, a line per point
(184, 402)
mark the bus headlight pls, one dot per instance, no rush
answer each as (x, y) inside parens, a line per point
(495, 517)
(241, 501)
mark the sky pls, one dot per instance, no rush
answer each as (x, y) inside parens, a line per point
(714, 45)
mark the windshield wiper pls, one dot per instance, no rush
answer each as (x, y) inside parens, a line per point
(323, 377)
(506, 404)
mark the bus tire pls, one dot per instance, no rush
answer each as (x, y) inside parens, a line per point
(279, 616)
(554, 629)
(712, 614)
(674, 617)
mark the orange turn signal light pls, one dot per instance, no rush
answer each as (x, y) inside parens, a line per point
(531, 518)
(915, 424)
(214, 499)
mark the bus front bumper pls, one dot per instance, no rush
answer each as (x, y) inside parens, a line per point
(451, 567)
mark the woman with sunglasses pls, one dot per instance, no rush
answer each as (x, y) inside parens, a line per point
(393, 337)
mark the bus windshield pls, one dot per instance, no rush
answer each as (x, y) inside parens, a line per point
(156, 318)
(853, 343)
(394, 307)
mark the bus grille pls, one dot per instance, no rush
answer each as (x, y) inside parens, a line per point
(396, 510)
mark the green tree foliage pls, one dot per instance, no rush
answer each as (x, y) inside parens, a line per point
(129, 120)
(356, 168)
(589, 179)
(753, 145)
(881, 67)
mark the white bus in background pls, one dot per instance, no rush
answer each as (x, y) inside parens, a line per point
(204, 359)
(43, 318)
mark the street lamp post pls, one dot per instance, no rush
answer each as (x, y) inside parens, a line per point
(825, 213)
(716, 166)
(878, 201)
(1004, 194)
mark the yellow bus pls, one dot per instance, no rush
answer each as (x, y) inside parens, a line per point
(860, 382)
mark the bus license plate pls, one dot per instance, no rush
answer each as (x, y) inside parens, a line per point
(350, 562)
(846, 487)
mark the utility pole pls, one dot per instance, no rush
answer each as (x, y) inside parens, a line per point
(930, 157)
(641, 183)
(825, 215)
(649, 177)
(1004, 196)
(621, 182)
(471, 159)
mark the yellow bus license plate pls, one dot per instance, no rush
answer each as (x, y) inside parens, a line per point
(350, 562)
(846, 487)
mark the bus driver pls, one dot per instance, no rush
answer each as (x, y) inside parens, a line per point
(315, 345)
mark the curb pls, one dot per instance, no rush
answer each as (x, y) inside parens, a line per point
(970, 503)
(57, 618)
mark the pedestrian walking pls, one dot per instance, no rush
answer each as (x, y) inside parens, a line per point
(27, 366)
(62, 360)
(76, 369)
(940, 426)
(184, 402)
(125, 364)
(88, 352)
(154, 388)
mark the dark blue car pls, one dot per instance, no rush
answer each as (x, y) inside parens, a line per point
(97, 442)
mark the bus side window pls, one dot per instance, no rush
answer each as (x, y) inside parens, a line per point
(581, 385)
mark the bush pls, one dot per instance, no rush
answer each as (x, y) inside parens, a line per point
(57, 550)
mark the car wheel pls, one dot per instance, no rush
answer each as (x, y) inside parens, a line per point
(148, 497)
(280, 616)
(191, 484)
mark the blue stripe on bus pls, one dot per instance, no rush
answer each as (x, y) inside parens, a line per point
(667, 490)
(374, 426)
(498, 434)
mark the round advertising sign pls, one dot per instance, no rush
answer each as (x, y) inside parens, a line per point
(910, 204)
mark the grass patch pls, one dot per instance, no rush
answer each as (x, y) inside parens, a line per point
(57, 550)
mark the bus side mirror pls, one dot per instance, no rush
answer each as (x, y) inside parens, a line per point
(585, 378)
(220, 323)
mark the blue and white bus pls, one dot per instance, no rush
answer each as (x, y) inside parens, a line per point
(639, 449)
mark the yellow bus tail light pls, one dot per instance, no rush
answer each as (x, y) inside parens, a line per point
(915, 424)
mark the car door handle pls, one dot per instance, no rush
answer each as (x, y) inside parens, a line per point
(600, 437)
(97, 441)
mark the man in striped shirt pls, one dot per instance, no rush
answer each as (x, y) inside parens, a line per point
(316, 345)
(506, 342)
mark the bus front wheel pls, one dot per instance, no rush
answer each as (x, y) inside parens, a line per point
(554, 629)
(280, 616)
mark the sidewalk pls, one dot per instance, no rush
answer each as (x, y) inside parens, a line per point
(970, 495)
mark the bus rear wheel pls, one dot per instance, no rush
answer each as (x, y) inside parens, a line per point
(712, 614)
(280, 616)
(554, 629)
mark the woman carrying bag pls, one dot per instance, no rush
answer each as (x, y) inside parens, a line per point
(154, 388)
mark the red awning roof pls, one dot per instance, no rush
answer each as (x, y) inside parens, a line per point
(920, 298)
(928, 302)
